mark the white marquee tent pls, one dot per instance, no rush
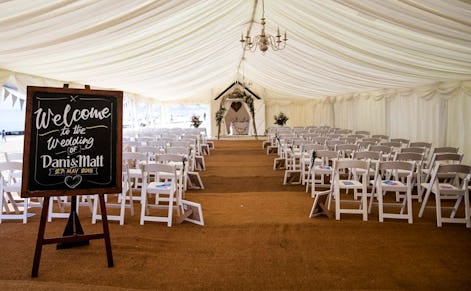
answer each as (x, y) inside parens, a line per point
(399, 67)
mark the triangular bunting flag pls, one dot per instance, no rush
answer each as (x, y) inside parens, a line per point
(5, 96)
(14, 98)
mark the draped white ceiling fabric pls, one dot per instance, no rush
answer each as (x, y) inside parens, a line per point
(174, 50)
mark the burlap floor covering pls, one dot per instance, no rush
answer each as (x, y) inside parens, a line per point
(257, 236)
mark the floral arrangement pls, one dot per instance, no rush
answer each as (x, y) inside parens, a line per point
(220, 115)
(249, 101)
(280, 119)
(195, 121)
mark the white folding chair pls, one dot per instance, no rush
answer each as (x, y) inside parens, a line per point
(134, 162)
(293, 173)
(373, 157)
(181, 166)
(320, 166)
(456, 189)
(120, 203)
(394, 184)
(305, 157)
(358, 182)
(164, 187)
(13, 206)
(418, 159)
(439, 158)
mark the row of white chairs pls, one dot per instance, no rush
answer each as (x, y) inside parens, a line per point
(447, 182)
(137, 178)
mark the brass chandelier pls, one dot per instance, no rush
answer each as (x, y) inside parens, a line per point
(263, 41)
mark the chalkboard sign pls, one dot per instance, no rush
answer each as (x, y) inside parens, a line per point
(72, 142)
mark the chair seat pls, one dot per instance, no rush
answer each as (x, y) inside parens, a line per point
(135, 173)
(350, 184)
(445, 188)
(321, 169)
(160, 186)
(392, 185)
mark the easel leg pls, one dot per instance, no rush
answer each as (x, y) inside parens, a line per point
(39, 241)
(106, 230)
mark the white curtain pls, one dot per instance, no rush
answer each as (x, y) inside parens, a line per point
(438, 113)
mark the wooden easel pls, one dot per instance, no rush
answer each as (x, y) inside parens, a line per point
(73, 234)
(49, 180)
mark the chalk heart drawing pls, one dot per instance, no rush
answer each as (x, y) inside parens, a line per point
(73, 181)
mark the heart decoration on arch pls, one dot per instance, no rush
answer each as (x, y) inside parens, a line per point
(236, 105)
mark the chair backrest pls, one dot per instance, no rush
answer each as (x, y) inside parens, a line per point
(370, 139)
(351, 164)
(456, 170)
(367, 155)
(380, 148)
(439, 150)
(343, 131)
(331, 143)
(420, 144)
(346, 150)
(392, 168)
(313, 147)
(133, 159)
(160, 170)
(447, 157)
(409, 156)
(397, 165)
(404, 142)
(381, 136)
(356, 136)
(6, 170)
(348, 140)
(327, 154)
(363, 145)
(177, 150)
(443, 158)
(418, 150)
(393, 144)
(170, 158)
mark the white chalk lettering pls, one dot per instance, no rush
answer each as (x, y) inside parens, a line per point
(80, 161)
(67, 118)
